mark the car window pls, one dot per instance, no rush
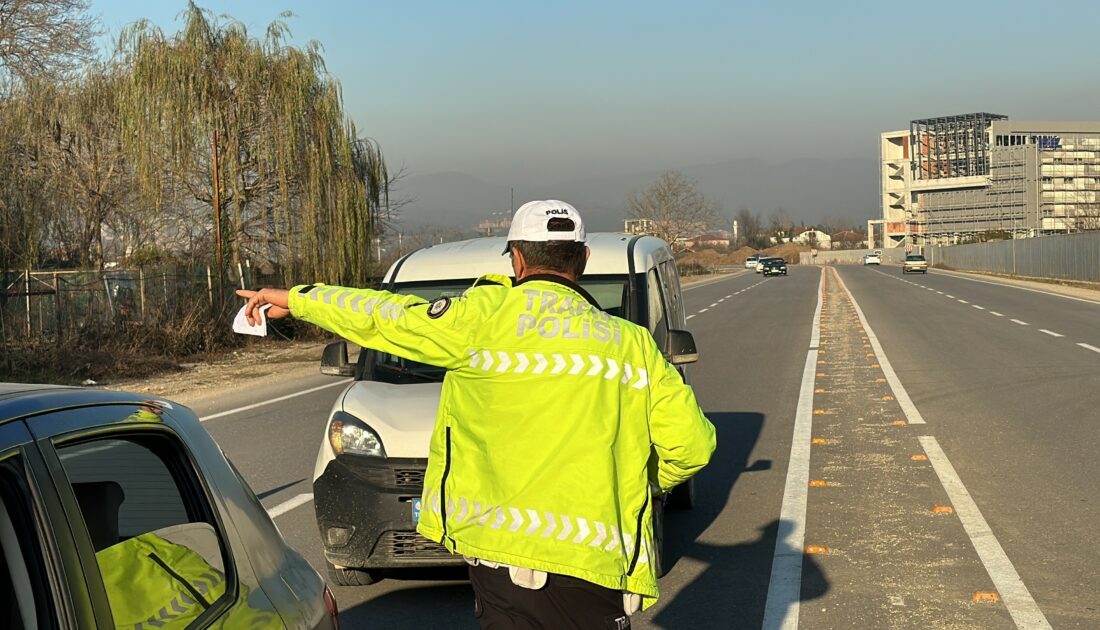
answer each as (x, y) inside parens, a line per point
(150, 524)
(658, 322)
(24, 588)
(670, 278)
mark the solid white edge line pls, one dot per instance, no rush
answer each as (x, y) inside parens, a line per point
(1017, 599)
(1088, 347)
(785, 585)
(900, 395)
(1013, 286)
(290, 504)
(1050, 332)
(222, 414)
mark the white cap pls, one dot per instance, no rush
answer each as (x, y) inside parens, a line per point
(549, 220)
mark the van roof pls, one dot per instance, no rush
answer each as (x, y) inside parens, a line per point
(476, 257)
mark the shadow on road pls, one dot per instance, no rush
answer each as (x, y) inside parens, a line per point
(266, 493)
(732, 590)
(415, 604)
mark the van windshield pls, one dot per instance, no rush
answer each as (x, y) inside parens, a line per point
(609, 292)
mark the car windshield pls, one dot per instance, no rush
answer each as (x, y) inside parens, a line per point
(609, 291)
(916, 258)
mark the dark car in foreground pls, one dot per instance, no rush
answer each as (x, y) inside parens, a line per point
(774, 267)
(120, 511)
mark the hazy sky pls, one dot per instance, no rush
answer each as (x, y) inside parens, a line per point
(521, 92)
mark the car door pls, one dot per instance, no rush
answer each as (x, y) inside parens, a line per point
(143, 521)
(40, 584)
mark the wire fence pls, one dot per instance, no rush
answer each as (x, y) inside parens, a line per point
(1064, 257)
(56, 304)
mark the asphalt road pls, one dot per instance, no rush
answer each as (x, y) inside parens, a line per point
(1009, 394)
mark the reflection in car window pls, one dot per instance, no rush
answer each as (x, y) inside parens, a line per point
(160, 559)
(23, 591)
(658, 325)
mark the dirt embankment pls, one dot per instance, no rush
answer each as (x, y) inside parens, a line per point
(710, 257)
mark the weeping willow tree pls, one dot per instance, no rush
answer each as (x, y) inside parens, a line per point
(253, 129)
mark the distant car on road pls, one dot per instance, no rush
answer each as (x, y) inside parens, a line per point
(369, 477)
(914, 263)
(119, 511)
(750, 262)
(774, 267)
(872, 259)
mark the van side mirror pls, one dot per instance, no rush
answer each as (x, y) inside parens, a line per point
(680, 347)
(334, 360)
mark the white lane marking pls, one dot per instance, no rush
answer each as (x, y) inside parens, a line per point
(729, 296)
(1088, 347)
(703, 310)
(1051, 332)
(290, 504)
(980, 308)
(1012, 286)
(962, 301)
(690, 316)
(940, 292)
(721, 299)
(995, 313)
(1025, 612)
(1016, 321)
(714, 305)
(785, 585)
(222, 414)
(736, 274)
(950, 296)
(900, 395)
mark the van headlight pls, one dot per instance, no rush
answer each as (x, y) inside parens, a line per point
(348, 434)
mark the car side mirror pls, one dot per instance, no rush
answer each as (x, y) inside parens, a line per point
(334, 360)
(680, 347)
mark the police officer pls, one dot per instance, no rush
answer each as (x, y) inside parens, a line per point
(558, 427)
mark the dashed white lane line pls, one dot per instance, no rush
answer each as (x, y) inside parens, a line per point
(1016, 321)
(785, 584)
(714, 304)
(900, 395)
(1050, 332)
(940, 292)
(230, 412)
(980, 308)
(721, 299)
(1088, 347)
(962, 301)
(1017, 599)
(996, 314)
(703, 310)
(290, 504)
(950, 296)
(690, 316)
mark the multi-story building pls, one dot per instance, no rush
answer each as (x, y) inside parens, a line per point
(953, 178)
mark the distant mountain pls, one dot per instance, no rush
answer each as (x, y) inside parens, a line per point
(808, 189)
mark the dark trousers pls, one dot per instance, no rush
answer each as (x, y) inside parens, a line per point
(565, 603)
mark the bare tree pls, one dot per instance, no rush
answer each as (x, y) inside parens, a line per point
(779, 225)
(44, 37)
(674, 208)
(751, 228)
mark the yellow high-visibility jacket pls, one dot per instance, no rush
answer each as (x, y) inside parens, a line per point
(554, 421)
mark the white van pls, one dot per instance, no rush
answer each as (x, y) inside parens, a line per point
(369, 473)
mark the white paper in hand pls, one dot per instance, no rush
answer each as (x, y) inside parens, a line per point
(241, 325)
